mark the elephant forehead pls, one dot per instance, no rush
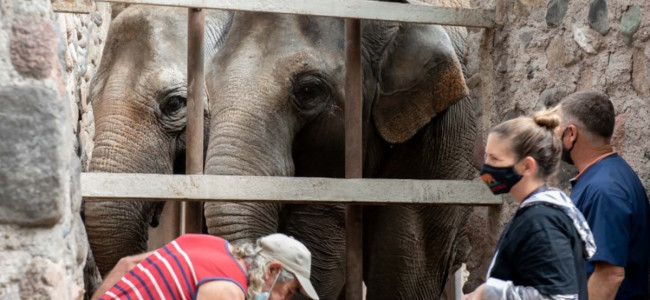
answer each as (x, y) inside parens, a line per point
(170, 76)
(306, 60)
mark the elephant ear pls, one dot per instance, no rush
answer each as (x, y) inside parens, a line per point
(420, 76)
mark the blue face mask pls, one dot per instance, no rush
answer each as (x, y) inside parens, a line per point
(499, 180)
(266, 295)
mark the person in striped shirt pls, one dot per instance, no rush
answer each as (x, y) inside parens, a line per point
(197, 266)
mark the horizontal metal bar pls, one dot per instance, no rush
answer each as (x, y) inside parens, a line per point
(368, 10)
(154, 187)
(72, 6)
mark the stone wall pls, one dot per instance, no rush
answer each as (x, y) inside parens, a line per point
(545, 50)
(46, 62)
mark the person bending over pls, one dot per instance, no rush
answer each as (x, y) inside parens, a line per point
(197, 266)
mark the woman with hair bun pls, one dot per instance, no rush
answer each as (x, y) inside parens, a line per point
(541, 251)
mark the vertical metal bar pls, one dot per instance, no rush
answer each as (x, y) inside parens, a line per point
(353, 157)
(192, 212)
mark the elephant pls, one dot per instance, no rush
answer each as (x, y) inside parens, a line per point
(138, 96)
(277, 109)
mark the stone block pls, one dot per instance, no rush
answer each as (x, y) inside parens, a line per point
(555, 53)
(630, 22)
(585, 80)
(556, 10)
(33, 47)
(97, 19)
(586, 38)
(34, 155)
(551, 97)
(618, 73)
(598, 15)
(640, 73)
(524, 7)
(526, 35)
(42, 280)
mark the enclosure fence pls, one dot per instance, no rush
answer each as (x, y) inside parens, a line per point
(194, 189)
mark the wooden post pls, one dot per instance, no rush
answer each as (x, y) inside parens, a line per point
(353, 157)
(192, 212)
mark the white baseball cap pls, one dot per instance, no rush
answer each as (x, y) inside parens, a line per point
(294, 257)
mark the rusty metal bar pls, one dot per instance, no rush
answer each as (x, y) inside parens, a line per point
(192, 212)
(353, 157)
(366, 10)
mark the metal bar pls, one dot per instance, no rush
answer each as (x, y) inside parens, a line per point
(192, 212)
(366, 10)
(353, 158)
(152, 187)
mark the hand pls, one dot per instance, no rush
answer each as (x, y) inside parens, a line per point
(477, 294)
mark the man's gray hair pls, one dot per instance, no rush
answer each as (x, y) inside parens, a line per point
(257, 267)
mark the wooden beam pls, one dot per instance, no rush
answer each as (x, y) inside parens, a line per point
(156, 187)
(365, 10)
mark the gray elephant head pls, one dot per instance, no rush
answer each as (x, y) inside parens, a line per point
(277, 110)
(138, 98)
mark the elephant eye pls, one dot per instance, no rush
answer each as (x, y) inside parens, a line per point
(310, 92)
(173, 104)
(307, 93)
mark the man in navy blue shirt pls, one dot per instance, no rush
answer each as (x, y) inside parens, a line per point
(610, 196)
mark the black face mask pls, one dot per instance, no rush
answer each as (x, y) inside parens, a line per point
(566, 153)
(499, 180)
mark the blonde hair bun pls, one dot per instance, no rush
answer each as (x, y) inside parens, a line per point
(547, 119)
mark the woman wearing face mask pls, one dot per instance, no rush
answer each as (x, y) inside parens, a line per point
(541, 251)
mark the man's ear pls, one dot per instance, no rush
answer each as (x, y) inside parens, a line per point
(273, 270)
(420, 76)
(570, 134)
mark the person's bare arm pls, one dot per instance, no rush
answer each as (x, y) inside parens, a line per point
(605, 280)
(219, 290)
(121, 268)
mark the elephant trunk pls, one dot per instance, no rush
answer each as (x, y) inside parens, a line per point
(247, 139)
(114, 232)
(120, 228)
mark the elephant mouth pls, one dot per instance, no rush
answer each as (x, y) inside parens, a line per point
(179, 163)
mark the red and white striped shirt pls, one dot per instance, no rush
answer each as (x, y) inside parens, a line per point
(177, 270)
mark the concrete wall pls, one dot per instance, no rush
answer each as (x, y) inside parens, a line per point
(46, 62)
(545, 50)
